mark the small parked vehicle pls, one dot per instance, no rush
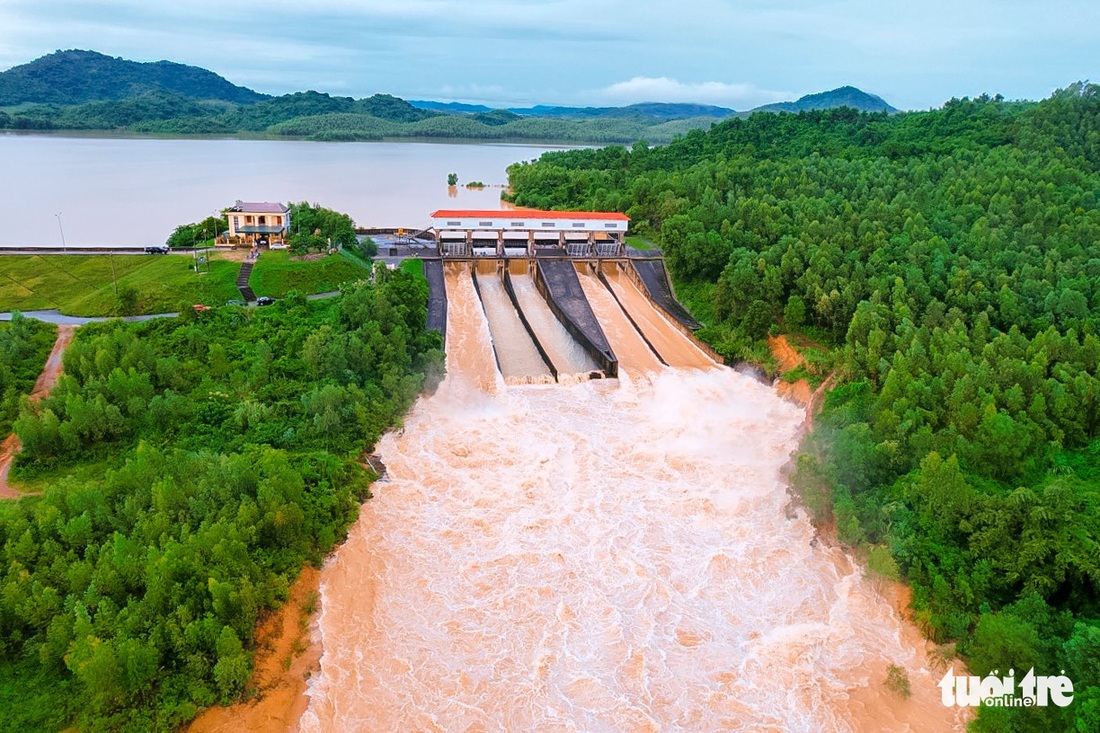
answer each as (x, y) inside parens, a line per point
(265, 300)
(157, 250)
(235, 301)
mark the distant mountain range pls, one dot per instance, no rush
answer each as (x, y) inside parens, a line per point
(86, 90)
(846, 96)
(654, 110)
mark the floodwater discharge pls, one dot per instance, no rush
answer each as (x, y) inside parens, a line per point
(673, 346)
(612, 555)
(520, 361)
(567, 356)
(633, 353)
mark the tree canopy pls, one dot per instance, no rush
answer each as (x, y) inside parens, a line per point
(190, 467)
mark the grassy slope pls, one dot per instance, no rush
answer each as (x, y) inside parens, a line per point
(276, 274)
(81, 285)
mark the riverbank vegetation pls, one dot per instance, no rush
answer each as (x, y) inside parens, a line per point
(191, 466)
(947, 263)
(24, 346)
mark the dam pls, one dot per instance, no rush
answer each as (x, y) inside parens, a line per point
(564, 320)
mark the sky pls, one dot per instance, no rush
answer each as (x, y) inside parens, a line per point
(734, 53)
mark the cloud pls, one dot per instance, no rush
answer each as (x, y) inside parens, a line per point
(665, 89)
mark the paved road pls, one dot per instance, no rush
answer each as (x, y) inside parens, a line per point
(59, 318)
(70, 251)
(54, 316)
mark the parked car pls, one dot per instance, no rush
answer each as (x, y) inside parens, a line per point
(264, 300)
(157, 250)
(235, 301)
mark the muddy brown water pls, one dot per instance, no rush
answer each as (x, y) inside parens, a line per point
(610, 555)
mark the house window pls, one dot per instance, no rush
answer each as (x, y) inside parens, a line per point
(578, 225)
(485, 223)
(610, 226)
(517, 223)
(549, 224)
(248, 219)
(454, 223)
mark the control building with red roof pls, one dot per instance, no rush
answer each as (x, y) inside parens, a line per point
(529, 233)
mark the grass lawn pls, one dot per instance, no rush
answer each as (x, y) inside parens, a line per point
(413, 267)
(82, 285)
(276, 274)
(639, 242)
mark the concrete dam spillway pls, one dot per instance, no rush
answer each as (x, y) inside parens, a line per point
(600, 555)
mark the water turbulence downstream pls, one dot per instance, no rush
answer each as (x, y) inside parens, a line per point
(610, 555)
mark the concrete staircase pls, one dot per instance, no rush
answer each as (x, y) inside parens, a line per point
(242, 281)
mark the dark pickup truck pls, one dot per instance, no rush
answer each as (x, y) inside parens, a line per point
(156, 250)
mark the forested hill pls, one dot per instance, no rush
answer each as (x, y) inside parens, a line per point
(74, 77)
(945, 265)
(842, 97)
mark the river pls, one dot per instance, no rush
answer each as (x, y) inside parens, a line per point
(603, 556)
(132, 192)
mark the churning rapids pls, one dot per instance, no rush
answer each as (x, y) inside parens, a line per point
(614, 555)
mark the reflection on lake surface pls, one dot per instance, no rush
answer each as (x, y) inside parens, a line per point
(135, 191)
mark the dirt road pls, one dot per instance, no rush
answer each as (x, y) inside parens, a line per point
(42, 387)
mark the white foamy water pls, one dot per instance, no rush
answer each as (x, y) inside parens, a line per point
(606, 556)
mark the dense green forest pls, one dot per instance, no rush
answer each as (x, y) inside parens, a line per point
(948, 264)
(24, 346)
(190, 467)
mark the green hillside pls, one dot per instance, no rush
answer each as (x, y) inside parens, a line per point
(74, 77)
(842, 97)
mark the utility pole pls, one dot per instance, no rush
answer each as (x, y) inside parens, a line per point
(62, 230)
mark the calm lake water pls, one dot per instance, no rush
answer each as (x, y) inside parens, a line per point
(133, 192)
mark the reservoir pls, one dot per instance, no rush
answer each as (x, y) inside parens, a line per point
(132, 192)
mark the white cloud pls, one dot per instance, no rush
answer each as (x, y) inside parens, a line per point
(665, 89)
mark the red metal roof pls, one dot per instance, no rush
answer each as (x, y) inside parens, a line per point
(527, 214)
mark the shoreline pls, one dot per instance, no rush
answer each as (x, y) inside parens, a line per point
(247, 136)
(288, 654)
